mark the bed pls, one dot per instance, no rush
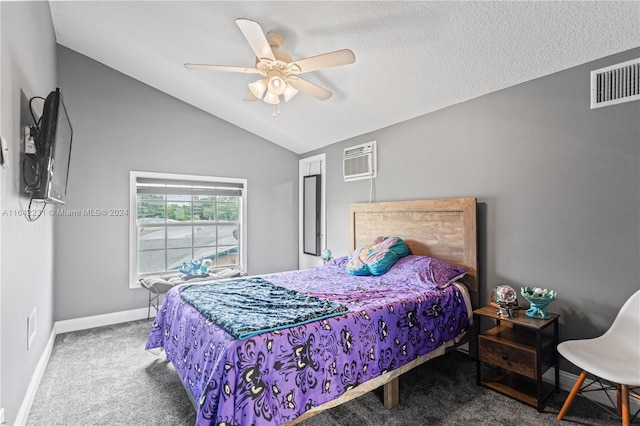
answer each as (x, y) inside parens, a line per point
(392, 324)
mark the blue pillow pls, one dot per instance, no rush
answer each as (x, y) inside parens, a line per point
(377, 258)
(384, 264)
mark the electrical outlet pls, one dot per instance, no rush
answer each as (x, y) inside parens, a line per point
(31, 328)
(29, 141)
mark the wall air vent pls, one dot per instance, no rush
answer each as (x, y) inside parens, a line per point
(359, 162)
(615, 84)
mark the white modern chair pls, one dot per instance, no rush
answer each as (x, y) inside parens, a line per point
(613, 359)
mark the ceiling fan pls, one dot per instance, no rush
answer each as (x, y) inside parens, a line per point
(280, 74)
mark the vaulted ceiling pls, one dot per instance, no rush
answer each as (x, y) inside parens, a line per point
(412, 58)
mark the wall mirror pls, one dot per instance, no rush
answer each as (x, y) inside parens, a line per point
(311, 215)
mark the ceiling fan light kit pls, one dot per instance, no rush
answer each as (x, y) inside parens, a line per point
(277, 67)
(272, 99)
(289, 92)
(258, 87)
(276, 85)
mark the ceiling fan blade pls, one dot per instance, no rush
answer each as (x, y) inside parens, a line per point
(327, 60)
(207, 67)
(250, 97)
(256, 38)
(309, 88)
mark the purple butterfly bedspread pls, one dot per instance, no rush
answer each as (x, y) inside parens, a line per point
(275, 377)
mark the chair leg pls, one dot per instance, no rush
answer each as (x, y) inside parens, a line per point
(619, 399)
(624, 405)
(572, 394)
(149, 307)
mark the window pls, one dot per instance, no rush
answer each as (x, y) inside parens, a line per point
(181, 217)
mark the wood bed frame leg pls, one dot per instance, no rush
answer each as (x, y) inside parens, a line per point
(572, 395)
(392, 393)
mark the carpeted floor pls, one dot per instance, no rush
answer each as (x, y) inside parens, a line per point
(104, 376)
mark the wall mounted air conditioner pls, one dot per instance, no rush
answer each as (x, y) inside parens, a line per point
(359, 162)
(615, 84)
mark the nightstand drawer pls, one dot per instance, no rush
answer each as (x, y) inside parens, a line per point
(514, 358)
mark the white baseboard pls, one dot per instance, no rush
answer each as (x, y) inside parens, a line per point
(25, 407)
(85, 323)
(65, 327)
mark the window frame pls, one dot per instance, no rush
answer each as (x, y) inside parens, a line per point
(134, 277)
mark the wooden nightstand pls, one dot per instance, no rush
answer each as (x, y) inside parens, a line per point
(520, 352)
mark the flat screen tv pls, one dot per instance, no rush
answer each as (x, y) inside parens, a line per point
(53, 151)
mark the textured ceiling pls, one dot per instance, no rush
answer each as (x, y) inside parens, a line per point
(411, 57)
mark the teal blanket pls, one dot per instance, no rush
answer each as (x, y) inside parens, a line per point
(245, 307)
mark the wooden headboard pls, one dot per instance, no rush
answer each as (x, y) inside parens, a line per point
(444, 228)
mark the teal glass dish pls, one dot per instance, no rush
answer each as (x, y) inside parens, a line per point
(539, 300)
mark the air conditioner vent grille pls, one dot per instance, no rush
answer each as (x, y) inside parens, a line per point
(356, 165)
(615, 84)
(359, 162)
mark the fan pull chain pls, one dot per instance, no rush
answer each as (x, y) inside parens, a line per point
(276, 110)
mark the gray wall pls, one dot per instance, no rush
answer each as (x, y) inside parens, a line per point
(120, 125)
(26, 260)
(558, 186)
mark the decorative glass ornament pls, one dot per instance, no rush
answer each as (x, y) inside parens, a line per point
(195, 266)
(326, 255)
(507, 300)
(185, 268)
